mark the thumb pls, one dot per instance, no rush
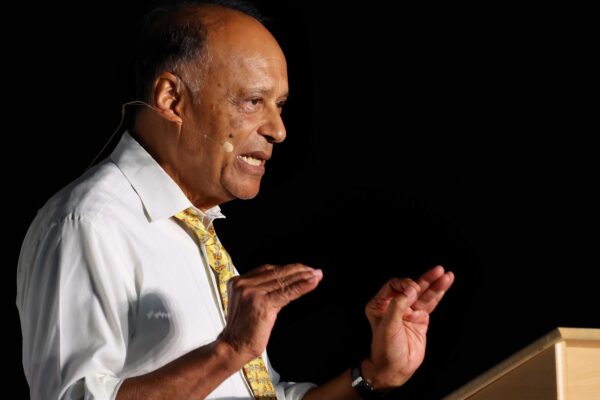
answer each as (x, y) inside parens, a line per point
(377, 308)
(399, 306)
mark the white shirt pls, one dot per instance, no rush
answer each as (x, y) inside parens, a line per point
(109, 285)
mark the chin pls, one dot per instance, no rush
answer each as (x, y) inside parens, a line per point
(247, 196)
(245, 192)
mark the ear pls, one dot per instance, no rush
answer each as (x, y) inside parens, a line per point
(167, 97)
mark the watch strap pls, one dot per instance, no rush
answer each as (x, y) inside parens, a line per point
(363, 387)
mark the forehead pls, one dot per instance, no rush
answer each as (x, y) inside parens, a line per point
(255, 70)
(240, 50)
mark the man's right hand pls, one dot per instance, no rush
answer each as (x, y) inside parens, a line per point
(256, 298)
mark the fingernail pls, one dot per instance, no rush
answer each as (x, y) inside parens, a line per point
(318, 272)
(410, 291)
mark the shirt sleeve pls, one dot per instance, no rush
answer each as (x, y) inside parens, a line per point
(287, 390)
(73, 299)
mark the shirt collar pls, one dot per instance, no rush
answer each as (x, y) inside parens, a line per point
(160, 195)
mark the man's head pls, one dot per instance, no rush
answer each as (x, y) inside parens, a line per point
(216, 75)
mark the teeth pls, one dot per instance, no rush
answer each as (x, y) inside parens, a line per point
(251, 160)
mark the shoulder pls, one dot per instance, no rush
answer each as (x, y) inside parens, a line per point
(101, 203)
(83, 225)
(101, 194)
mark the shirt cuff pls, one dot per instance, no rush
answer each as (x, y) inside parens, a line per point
(94, 387)
(292, 390)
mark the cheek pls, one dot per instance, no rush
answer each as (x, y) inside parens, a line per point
(239, 129)
(236, 123)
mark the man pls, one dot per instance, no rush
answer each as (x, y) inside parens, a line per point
(120, 294)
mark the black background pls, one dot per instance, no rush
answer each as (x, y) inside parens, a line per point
(460, 136)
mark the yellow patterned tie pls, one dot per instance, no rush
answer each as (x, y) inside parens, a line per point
(255, 371)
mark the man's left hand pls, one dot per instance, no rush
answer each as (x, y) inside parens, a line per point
(399, 317)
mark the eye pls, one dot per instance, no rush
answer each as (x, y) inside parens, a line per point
(252, 104)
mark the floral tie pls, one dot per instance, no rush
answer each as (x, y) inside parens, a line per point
(219, 260)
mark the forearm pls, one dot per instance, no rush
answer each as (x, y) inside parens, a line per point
(192, 376)
(339, 388)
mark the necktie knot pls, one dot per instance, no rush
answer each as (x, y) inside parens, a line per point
(217, 257)
(194, 221)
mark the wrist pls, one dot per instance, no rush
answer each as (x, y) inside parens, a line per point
(231, 358)
(369, 373)
(362, 386)
(372, 375)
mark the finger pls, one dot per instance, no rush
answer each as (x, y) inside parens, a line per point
(398, 307)
(393, 287)
(417, 317)
(270, 272)
(429, 277)
(429, 299)
(377, 307)
(282, 281)
(283, 296)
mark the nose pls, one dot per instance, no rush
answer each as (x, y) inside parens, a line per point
(273, 128)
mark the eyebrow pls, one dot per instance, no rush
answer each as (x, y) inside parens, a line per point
(265, 90)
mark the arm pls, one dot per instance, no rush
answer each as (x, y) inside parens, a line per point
(339, 388)
(192, 376)
(399, 318)
(72, 303)
(255, 299)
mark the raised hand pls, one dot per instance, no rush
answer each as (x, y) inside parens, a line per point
(399, 318)
(256, 298)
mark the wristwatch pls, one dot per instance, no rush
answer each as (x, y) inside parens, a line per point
(362, 387)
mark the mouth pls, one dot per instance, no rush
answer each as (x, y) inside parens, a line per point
(253, 162)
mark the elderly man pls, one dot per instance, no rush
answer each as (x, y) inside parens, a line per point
(124, 290)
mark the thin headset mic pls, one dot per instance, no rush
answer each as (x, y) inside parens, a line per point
(114, 133)
(227, 146)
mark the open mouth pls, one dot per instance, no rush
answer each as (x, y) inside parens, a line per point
(255, 161)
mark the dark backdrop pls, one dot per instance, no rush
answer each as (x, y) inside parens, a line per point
(415, 137)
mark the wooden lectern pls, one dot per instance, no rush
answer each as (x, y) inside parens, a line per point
(563, 365)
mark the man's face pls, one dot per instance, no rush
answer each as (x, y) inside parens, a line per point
(244, 86)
